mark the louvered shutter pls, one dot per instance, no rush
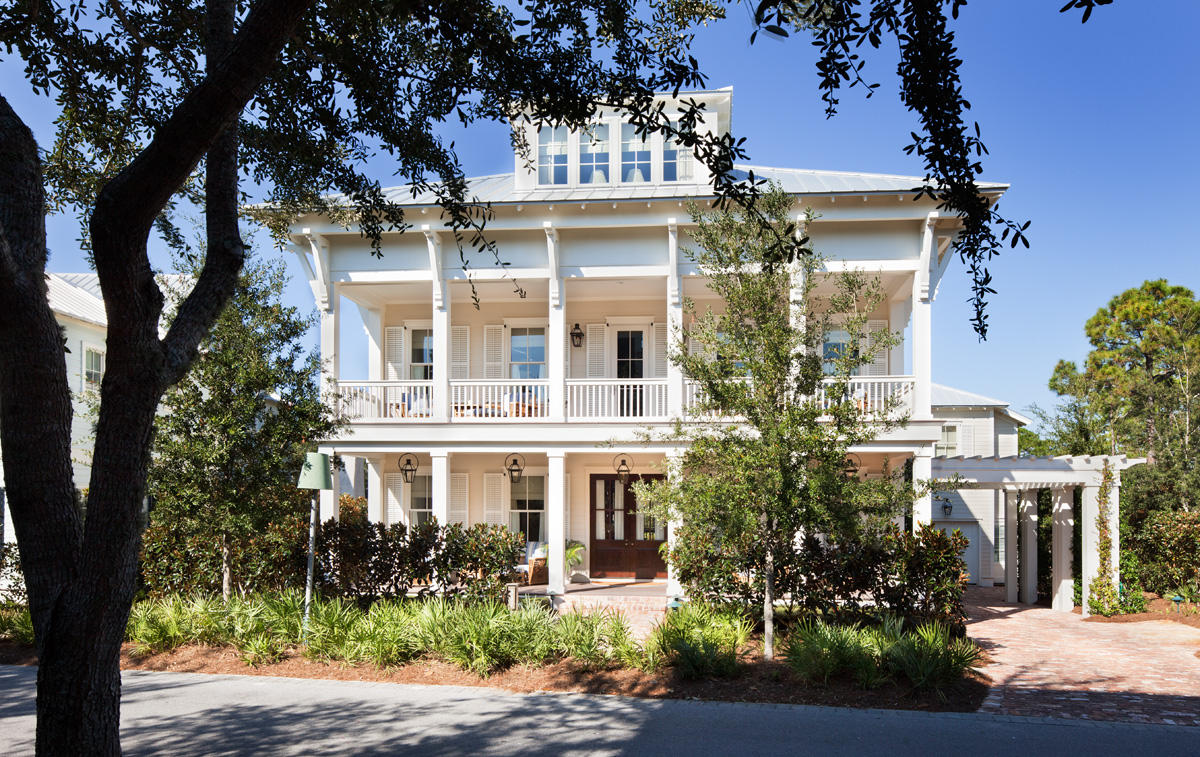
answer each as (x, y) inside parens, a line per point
(597, 350)
(394, 495)
(879, 363)
(460, 353)
(394, 353)
(966, 438)
(660, 350)
(566, 353)
(493, 351)
(567, 507)
(459, 500)
(493, 499)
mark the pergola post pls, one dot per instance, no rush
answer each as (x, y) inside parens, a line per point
(1029, 545)
(1011, 501)
(1062, 528)
(1091, 553)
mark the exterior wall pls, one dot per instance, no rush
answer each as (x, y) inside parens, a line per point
(975, 434)
(974, 506)
(79, 337)
(1006, 435)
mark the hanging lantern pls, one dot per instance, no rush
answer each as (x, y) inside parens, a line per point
(408, 468)
(576, 336)
(621, 466)
(852, 464)
(514, 464)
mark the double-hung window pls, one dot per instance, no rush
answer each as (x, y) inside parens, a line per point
(635, 156)
(948, 444)
(420, 356)
(552, 155)
(677, 159)
(420, 500)
(593, 155)
(527, 353)
(93, 368)
(527, 507)
(837, 347)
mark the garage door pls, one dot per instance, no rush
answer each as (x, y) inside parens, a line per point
(971, 554)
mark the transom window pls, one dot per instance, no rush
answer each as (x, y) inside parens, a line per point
(635, 156)
(93, 367)
(677, 160)
(948, 445)
(527, 507)
(527, 353)
(552, 155)
(593, 155)
(420, 359)
(420, 500)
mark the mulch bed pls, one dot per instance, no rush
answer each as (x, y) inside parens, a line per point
(758, 681)
(1157, 608)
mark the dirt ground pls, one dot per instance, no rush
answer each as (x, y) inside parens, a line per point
(757, 681)
(1157, 608)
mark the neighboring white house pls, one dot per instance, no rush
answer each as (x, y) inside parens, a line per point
(594, 232)
(78, 307)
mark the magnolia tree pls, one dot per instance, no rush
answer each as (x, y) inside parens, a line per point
(749, 488)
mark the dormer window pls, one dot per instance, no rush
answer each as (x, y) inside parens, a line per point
(593, 155)
(677, 160)
(635, 156)
(552, 155)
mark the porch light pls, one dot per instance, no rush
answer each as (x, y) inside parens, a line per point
(621, 465)
(947, 508)
(576, 336)
(852, 464)
(514, 464)
(408, 468)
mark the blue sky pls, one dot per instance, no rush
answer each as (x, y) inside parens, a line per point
(1093, 125)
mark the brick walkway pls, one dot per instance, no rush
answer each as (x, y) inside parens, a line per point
(1053, 664)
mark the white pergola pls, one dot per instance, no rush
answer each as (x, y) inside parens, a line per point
(1020, 478)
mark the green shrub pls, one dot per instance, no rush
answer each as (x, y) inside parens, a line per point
(16, 624)
(12, 580)
(1168, 550)
(931, 658)
(700, 640)
(817, 651)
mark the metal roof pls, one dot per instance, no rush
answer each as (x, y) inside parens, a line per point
(77, 295)
(945, 396)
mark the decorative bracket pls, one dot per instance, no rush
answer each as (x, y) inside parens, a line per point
(673, 288)
(434, 242)
(555, 283)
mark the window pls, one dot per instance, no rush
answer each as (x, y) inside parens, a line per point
(677, 160)
(635, 155)
(420, 500)
(93, 367)
(527, 353)
(420, 359)
(593, 155)
(837, 346)
(552, 155)
(949, 443)
(527, 507)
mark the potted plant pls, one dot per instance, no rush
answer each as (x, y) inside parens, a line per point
(573, 555)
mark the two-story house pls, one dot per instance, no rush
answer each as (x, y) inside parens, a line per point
(525, 410)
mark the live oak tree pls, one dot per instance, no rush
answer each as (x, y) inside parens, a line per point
(232, 433)
(170, 102)
(752, 486)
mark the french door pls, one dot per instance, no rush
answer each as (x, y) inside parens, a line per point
(631, 364)
(624, 541)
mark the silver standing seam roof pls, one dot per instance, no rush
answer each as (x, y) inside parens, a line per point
(945, 396)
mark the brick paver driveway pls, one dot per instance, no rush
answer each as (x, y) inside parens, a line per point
(1054, 664)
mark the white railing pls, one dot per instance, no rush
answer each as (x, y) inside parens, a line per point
(499, 400)
(872, 394)
(391, 400)
(617, 399)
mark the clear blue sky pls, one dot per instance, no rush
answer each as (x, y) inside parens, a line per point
(1095, 127)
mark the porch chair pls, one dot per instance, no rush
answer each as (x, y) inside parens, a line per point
(534, 570)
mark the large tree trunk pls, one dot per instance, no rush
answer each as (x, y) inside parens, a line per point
(226, 569)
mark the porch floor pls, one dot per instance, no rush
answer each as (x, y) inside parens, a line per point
(649, 589)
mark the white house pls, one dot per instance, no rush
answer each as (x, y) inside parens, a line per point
(593, 233)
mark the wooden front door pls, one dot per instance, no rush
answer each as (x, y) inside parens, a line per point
(624, 542)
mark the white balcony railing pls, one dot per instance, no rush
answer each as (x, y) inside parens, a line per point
(391, 400)
(873, 394)
(499, 400)
(617, 399)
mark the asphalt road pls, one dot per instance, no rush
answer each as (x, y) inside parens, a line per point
(186, 714)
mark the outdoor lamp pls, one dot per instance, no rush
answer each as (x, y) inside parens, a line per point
(622, 469)
(408, 468)
(947, 508)
(314, 475)
(576, 336)
(853, 463)
(514, 464)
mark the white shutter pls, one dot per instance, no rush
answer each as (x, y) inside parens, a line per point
(879, 363)
(460, 353)
(493, 351)
(660, 350)
(566, 352)
(458, 498)
(567, 507)
(394, 495)
(493, 499)
(394, 353)
(597, 350)
(966, 438)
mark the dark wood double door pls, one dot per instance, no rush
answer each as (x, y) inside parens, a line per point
(625, 542)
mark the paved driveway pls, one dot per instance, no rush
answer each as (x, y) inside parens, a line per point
(1053, 663)
(183, 714)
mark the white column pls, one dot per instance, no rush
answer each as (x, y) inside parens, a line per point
(329, 497)
(674, 588)
(1114, 527)
(375, 496)
(330, 342)
(676, 387)
(556, 522)
(899, 311)
(556, 360)
(440, 468)
(373, 326)
(1088, 534)
(441, 362)
(922, 340)
(922, 474)
(1012, 500)
(1029, 562)
(987, 546)
(1060, 551)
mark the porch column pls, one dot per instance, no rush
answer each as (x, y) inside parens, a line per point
(375, 498)
(674, 588)
(1091, 553)
(329, 497)
(1062, 528)
(899, 312)
(556, 522)
(922, 325)
(373, 326)
(556, 333)
(1011, 501)
(923, 472)
(330, 361)
(1029, 566)
(441, 330)
(676, 386)
(440, 468)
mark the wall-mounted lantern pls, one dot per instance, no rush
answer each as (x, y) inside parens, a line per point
(621, 466)
(852, 464)
(408, 467)
(947, 508)
(576, 336)
(514, 464)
